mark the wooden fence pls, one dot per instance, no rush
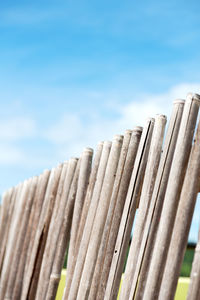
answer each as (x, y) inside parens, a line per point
(86, 207)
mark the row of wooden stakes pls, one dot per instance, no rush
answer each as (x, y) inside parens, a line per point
(86, 207)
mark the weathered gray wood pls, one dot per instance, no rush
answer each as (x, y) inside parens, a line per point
(177, 173)
(6, 235)
(64, 234)
(100, 218)
(118, 200)
(89, 222)
(148, 240)
(5, 254)
(118, 209)
(6, 199)
(32, 270)
(54, 229)
(99, 262)
(19, 206)
(95, 166)
(101, 253)
(90, 189)
(20, 232)
(30, 233)
(146, 195)
(131, 203)
(182, 223)
(121, 197)
(37, 209)
(85, 168)
(5, 229)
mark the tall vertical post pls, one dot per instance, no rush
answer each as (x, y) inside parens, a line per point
(177, 173)
(131, 204)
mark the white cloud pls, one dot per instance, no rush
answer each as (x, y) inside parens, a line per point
(17, 128)
(65, 129)
(71, 133)
(150, 105)
(10, 154)
(181, 90)
(12, 132)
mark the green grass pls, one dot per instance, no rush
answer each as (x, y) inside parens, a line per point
(187, 262)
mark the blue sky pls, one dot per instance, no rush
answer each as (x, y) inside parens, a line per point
(76, 72)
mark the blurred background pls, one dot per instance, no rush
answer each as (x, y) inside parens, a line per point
(77, 72)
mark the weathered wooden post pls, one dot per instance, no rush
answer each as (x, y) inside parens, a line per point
(30, 233)
(6, 247)
(89, 223)
(64, 235)
(98, 265)
(172, 195)
(146, 195)
(16, 220)
(86, 205)
(125, 166)
(10, 197)
(83, 179)
(32, 269)
(54, 229)
(21, 231)
(131, 203)
(99, 222)
(140, 269)
(6, 202)
(37, 209)
(182, 223)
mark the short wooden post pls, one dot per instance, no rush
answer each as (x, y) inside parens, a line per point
(36, 210)
(101, 213)
(99, 262)
(16, 220)
(32, 269)
(89, 223)
(118, 197)
(10, 198)
(86, 205)
(85, 168)
(64, 234)
(28, 201)
(54, 229)
(31, 228)
(6, 202)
